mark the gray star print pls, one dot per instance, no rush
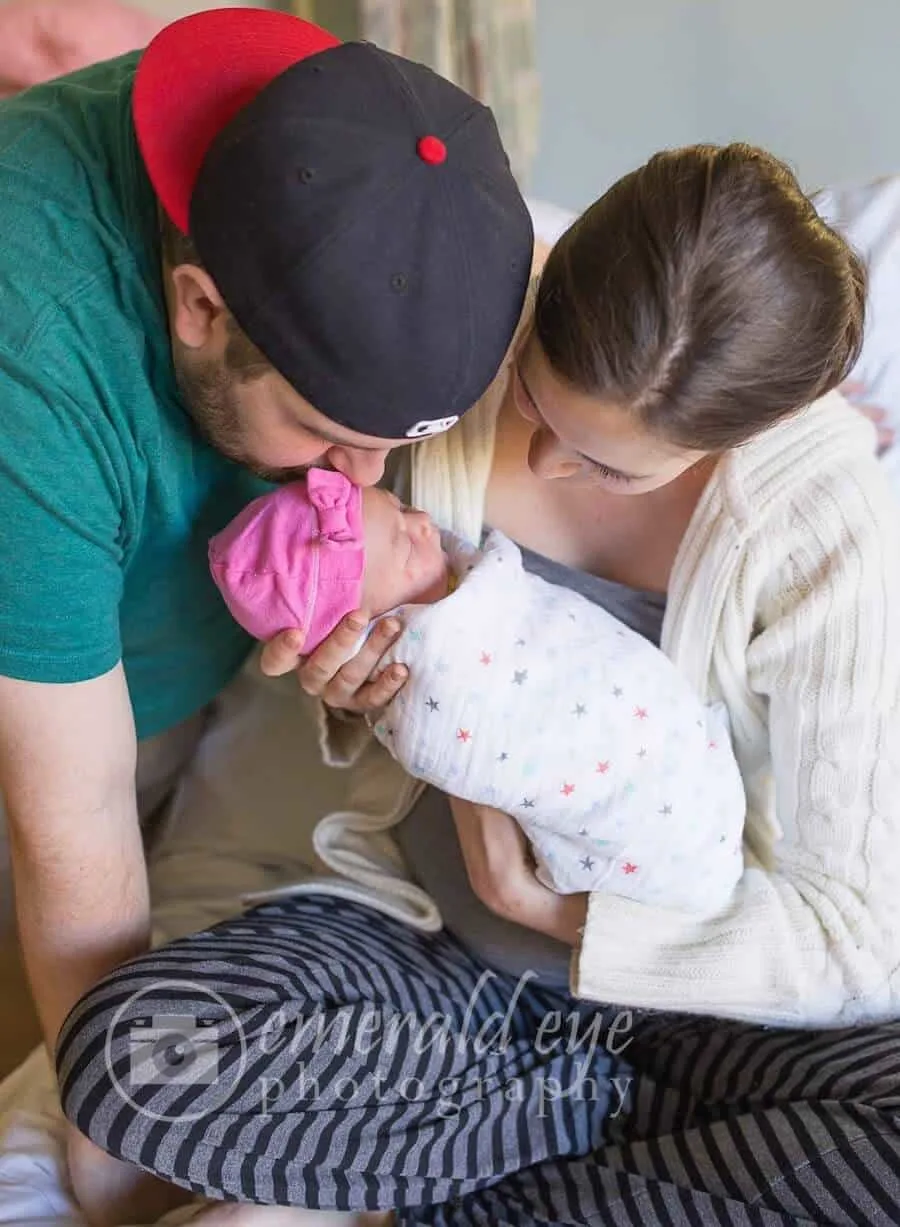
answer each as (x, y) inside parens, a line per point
(587, 862)
(617, 692)
(579, 710)
(501, 758)
(432, 704)
(527, 803)
(520, 677)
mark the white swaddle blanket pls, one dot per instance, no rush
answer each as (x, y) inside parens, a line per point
(527, 697)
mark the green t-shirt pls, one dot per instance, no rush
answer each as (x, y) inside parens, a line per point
(108, 495)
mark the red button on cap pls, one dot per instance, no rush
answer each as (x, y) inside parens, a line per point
(431, 149)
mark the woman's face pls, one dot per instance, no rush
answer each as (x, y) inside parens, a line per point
(582, 439)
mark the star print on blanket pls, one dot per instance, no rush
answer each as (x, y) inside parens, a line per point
(525, 696)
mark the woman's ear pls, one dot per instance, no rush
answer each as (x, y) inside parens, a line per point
(197, 309)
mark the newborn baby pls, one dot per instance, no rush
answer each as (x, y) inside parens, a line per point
(521, 695)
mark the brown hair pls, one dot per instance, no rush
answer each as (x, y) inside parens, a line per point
(242, 358)
(704, 294)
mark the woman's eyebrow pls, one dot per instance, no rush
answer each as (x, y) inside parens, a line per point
(590, 459)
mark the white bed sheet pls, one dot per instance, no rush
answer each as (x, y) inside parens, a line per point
(236, 825)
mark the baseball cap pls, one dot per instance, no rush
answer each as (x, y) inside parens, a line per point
(356, 211)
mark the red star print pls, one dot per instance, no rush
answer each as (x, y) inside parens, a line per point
(567, 790)
(629, 868)
(641, 713)
(463, 735)
(486, 658)
(602, 768)
(711, 746)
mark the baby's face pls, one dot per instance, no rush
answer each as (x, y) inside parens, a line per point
(404, 560)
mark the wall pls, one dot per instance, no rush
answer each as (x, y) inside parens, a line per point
(622, 78)
(170, 9)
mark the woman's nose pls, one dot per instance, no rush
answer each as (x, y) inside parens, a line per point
(548, 459)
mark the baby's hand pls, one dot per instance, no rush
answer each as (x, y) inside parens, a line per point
(334, 673)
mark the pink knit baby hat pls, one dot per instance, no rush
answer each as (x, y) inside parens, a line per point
(294, 558)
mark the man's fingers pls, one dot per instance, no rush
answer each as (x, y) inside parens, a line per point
(316, 673)
(348, 688)
(281, 654)
(380, 691)
(336, 672)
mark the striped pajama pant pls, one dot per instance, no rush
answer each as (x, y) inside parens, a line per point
(315, 1053)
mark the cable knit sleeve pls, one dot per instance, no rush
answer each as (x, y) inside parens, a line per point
(812, 936)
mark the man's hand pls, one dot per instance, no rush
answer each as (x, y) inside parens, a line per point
(336, 672)
(111, 1192)
(501, 873)
(67, 765)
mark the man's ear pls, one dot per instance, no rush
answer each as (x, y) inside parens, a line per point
(197, 309)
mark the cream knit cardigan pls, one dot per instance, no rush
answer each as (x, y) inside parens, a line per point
(785, 602)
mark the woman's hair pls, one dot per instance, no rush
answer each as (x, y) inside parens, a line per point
(704, 294)
(242, 358)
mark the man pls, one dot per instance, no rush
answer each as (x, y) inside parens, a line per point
(357, 262)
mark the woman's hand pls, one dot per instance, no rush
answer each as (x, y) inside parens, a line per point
(501, 873)
(856, 393)
(337, 674)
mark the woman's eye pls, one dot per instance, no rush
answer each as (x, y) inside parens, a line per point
(606, 472)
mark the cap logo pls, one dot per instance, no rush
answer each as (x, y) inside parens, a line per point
(435, 427)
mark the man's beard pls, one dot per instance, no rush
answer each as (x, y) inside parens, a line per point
(208, 392)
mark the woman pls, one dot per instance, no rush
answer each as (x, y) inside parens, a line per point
(686, 333)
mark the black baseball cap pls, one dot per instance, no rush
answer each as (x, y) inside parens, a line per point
(356, 211)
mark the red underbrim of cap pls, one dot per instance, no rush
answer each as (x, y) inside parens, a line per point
(193, 79)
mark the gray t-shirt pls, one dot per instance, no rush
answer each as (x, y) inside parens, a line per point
(428, 838)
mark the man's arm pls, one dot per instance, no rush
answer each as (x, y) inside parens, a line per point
(67, 762)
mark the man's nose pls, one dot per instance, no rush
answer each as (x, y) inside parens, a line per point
(364, 468)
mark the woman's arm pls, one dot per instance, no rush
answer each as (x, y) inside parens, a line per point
(812, 935)
(501, 873)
